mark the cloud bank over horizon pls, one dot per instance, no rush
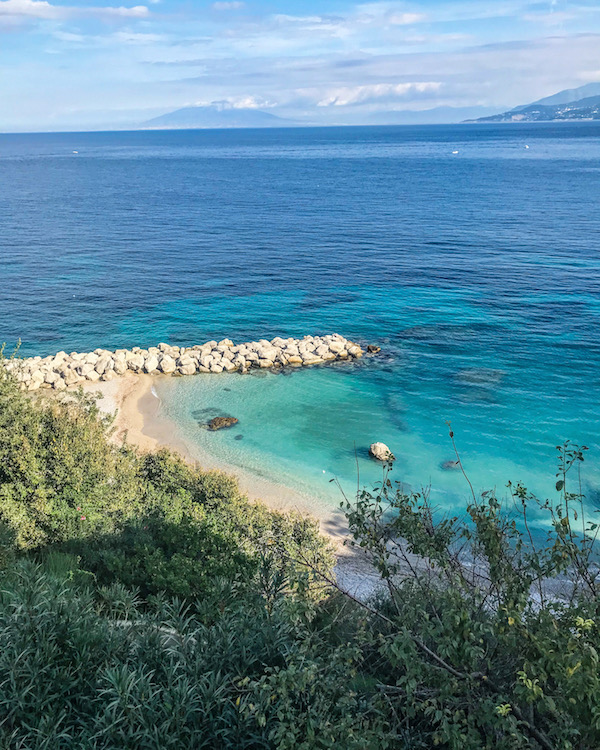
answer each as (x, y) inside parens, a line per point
(92, 63)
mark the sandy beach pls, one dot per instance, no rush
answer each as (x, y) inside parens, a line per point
(138, 419)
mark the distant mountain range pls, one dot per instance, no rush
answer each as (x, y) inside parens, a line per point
(220, 116)
(582, 103)
(216, 116)
(435, 116)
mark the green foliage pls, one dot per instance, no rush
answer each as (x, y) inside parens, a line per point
(147, 520)
(484, 636)
(59, 475)
(145, 603)
(82, 671)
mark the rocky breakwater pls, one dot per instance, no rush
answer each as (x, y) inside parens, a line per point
(63, 370)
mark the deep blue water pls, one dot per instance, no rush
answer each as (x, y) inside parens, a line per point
(477, 272)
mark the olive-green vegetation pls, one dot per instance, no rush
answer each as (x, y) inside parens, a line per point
(145, 520)
(147, 604)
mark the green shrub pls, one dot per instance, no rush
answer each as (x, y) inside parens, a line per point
(483, 636)
(60, 476)
(147, 520)
(81, 671)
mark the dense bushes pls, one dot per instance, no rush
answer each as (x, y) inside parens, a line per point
(146, 604)
(96, 671)
(150, 521)
(488, 632)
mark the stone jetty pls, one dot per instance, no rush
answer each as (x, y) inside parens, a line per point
(63, 370)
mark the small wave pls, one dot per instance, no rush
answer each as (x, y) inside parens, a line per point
(155, 394)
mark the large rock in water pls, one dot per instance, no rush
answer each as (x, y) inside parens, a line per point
(217, 423)
(381, 452)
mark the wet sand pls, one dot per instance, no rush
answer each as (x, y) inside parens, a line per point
(138, 420)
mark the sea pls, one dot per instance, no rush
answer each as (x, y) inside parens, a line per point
(469, 253)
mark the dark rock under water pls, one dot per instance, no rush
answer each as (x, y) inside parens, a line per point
(218, 423)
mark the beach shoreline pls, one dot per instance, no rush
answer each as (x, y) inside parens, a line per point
(123, 379)
(132, 401)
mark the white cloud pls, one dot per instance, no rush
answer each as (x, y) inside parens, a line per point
(375, 16)
(344, 96)
(366, 27)
(549, 19)
(70, 37)
(303, 24)
(500, 75)
(132, 37)
(251, 102)
(405, 19)
(32, 8)
(120, 39)
(45, 10)
(386, 14)
(589, 76)
(236, 102)
(236, 5)
(138, 11)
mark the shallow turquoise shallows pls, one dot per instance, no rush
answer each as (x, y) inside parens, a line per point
(477, 272)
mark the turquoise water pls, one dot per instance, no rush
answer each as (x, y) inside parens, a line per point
(478, 274)
(303, 428)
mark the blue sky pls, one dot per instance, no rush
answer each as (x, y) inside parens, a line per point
(95, 63)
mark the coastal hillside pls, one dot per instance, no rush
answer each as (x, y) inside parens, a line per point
(146, 603)
(215, 116)
(582, 103)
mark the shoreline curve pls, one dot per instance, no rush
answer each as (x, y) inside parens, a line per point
(133, 402)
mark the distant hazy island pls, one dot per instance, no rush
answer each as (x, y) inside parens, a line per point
(582, 103)
(222, 115)
(216, 116)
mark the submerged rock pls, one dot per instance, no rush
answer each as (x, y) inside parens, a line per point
(481, 376)
(451, 465)
(218, 423)
(372, 349)
(381, 452)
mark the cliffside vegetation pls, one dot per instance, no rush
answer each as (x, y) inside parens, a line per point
(147, 604)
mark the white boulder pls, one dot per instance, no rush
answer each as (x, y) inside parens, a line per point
(167, 364)
(381, 452)
(151, 364)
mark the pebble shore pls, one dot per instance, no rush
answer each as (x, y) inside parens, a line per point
(63, 370)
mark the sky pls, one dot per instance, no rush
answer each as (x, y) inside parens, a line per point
(95, 64)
